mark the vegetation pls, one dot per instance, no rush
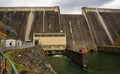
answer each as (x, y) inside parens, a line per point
(2, 32)
(29, 61)
(19, 67)
(7, 31)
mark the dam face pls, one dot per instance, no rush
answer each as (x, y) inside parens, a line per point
(16, 20)
(27, 20)
(45, 22)
(104, 24)
(95, 27)
(78, 34)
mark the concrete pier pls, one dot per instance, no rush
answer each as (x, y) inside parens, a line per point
(76, 57)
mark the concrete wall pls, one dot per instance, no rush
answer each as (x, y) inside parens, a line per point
(16, 20)
(56, 8)
(104, 24)
(109, 49)
(51, 41)
(100, 10)
(96, 26)
(112, 21)
(44, 19)
(45, 22)
(77, 32)
(75, 57)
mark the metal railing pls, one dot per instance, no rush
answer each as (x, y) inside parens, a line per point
(10, 68)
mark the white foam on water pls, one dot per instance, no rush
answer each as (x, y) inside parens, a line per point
(58, 56)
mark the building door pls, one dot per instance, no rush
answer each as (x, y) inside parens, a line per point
(36, 42)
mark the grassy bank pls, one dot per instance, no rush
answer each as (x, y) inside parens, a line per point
(19, 67)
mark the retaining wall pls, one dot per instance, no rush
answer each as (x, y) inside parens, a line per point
(109, 49)
(75, 57)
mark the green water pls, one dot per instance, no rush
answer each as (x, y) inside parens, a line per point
(98, 63)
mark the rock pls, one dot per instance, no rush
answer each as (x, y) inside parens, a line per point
(33, 59)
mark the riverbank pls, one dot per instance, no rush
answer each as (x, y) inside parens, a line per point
(32, 60)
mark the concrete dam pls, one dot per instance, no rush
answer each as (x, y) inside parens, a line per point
(104, 24)
(92, 28)
(28, 20)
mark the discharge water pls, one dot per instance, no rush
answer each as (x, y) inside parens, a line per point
(98, 63)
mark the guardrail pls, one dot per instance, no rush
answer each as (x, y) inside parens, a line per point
(10, 68)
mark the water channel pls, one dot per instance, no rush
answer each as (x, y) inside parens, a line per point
(98, 63)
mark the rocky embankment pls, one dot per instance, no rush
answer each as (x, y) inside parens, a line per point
(33, 59)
